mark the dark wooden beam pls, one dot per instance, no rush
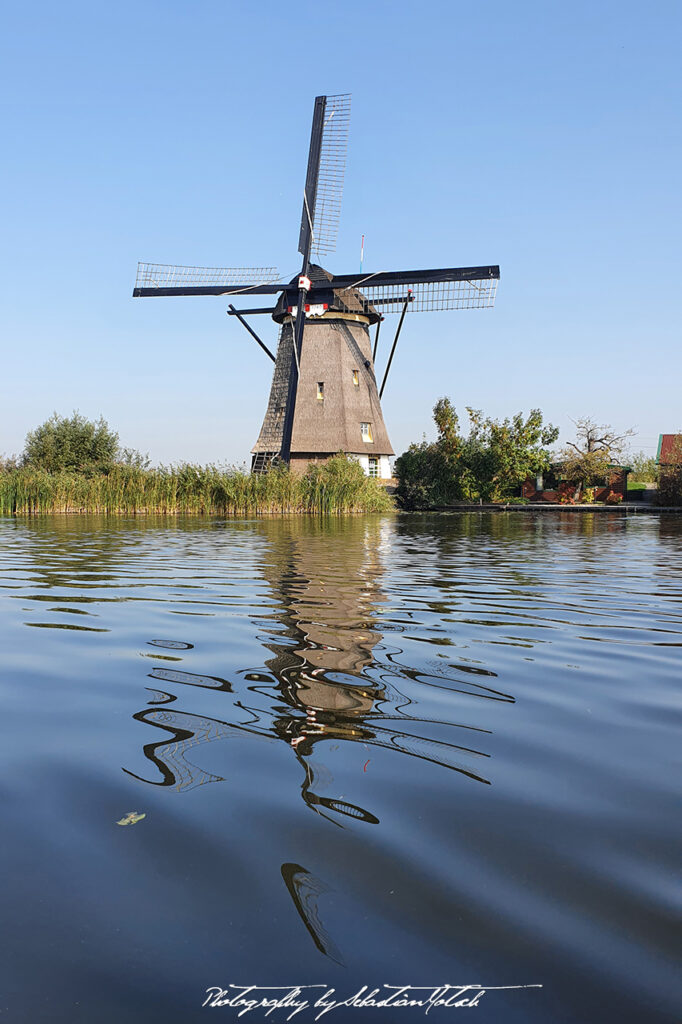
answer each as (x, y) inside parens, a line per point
(218, 289)
(251, 312)
(395, 342)
(237, 313)
(407, 277)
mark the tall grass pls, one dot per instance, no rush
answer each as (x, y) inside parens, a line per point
(334, 487)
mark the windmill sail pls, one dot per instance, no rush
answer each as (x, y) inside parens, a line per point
(324, 177)
(424, 290)
(165, 279)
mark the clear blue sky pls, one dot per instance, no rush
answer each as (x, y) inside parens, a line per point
(539, 135)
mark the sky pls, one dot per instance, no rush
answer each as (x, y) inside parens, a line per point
(541, 136)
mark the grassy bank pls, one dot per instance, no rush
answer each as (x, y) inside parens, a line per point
(338, 486)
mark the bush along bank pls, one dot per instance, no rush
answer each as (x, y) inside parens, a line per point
(337, 486)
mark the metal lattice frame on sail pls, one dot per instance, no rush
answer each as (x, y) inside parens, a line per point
(430, 296)
(160, 275)
(331, 173)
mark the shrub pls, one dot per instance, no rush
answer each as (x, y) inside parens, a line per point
(669, 485)
(76, 444)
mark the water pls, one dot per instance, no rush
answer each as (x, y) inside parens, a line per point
(405, 750)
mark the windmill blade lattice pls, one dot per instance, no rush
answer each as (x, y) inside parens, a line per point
(429, 296)
(161, 275)
(423, 290)
(324, 184)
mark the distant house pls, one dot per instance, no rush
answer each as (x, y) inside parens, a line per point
(553, 486)
(669, 450)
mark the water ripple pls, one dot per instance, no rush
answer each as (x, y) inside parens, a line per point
(437, 745)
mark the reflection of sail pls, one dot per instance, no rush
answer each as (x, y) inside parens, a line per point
(171, 675)
(170, 756)
(305, 891)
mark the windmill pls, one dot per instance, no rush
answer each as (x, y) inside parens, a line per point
(324, 396)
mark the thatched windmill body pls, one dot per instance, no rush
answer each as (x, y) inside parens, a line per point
(324, 396)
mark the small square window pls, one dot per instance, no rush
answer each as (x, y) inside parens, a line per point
(366, 431)
(356, 378)
(320, 390)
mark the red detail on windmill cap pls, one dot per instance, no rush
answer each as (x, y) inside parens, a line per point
(304, 283)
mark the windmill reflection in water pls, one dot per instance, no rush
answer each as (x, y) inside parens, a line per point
(322, 686)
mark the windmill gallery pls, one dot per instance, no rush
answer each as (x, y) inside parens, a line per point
(324, 396)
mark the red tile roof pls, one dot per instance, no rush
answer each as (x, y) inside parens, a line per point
(669, 449)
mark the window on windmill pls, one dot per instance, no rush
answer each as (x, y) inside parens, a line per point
(366, 430)
(356, 378)
(373, 465)
(279, 412)
(320, 390)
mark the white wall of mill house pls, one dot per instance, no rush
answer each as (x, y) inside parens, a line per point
(384, 467)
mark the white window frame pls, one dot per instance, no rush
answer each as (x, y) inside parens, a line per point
(366, 433)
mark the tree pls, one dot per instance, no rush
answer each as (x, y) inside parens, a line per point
(76, 444)
(587, 460)
(502, 454)
(425, 477)
(433, 473)
(644, 468)
(490, 463)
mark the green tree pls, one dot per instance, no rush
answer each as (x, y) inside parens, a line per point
(501, 454)
(433, 473)
(490, 463)
(644, 468)
(74, 443)
(425, 477)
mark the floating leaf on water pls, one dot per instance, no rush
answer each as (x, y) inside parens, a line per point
(131, 818)
(70, 611)
(163, 657)
(66, 625)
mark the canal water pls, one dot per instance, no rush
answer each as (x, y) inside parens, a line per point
(371, 751)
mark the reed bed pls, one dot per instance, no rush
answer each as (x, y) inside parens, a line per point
(338, 486)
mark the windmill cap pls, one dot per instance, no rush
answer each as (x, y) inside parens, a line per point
(337, 300)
